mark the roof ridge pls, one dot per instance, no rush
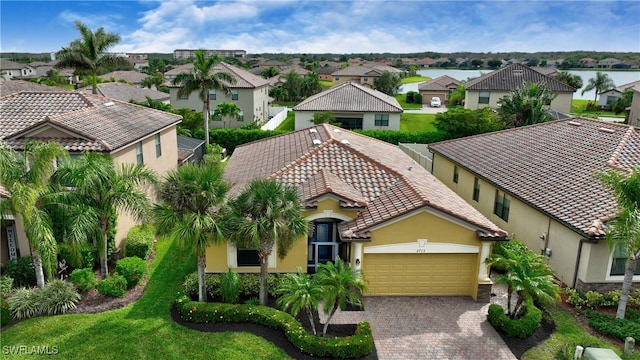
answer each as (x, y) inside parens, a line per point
(618, 150)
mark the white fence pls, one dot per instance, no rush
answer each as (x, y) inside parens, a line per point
(420, 153)
(277, 116)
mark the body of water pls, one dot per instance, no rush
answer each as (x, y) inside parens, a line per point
(618, 77)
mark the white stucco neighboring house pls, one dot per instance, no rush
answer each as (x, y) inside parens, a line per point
(606, 98)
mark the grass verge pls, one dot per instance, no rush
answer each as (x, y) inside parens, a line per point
(579, 108)
(142, 330)
(414, 79)
(289, 123)
(417, 122)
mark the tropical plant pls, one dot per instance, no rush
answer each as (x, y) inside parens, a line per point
(230, 287)
(300, 292)
(227, 111)
(388, 83)
(83, 279)
(525, 105)
(189, 210)
(114, 286)
(600, 83)
(154, 80)
(269, 72)
(58, 297)
(566, 77)
(26, 177)
(340, 286)
(459, 122)
(267, 214)
(622, 102)
(5, 312)
(23, 271)
(104, 188)
(88, 54)
(25, 303)
(6, 286)
(204, 78)
(623, 231)
(132, 269)
(323, 117)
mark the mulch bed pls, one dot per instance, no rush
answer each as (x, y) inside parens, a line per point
(519, 346)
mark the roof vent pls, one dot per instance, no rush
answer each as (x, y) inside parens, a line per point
(607, 130)
(313, 131)
(337, 130)
(110, 103)
(574, 123)
(345, 141)
(317, 142)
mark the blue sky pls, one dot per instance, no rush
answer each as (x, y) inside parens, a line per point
(328, 26)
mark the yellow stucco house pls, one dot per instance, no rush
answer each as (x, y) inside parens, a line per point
(539, 183)
(487, 89)
(84, 122)
(371, 205)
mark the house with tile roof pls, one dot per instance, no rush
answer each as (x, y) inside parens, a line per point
(353, 105)
(365, 74)
(85, 122)
(633, 118)
(8, 87)
(371, 205)
(441, 87)
(539, 183)
(13, 70)
(128, 76)
(250, 93)
(487, 89)
(125, 92)
(606, 98)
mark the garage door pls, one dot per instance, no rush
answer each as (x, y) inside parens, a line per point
(420, 274)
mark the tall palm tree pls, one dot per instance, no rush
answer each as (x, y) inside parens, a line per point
(600, 83)
(26, 176)
(189, 209)
(623, 231)
(340, 285)
(106, 188)
(525, 105)
(300, 291)
(226, 111)
(88, 54)
(203, 78)
(265, 214)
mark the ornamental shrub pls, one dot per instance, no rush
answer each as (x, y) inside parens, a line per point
(139, 241)
(22, 271)
(594, 299)
(132, 269)
(115, 286)
(609, 325)
(521, 327)
(5, 312)
(84, 258)
(25, 303)
(83, 279)
(6, 286)
(249, 284)
(57, 297)
(230, 287)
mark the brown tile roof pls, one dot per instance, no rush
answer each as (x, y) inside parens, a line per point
(440, 83)
(513, 76)
(357, 169)
(350, 97)
(126, 92)
(93, 122)
(130, 76)
(244, 79)
(14, 86)
(365, 70)
(551, 166)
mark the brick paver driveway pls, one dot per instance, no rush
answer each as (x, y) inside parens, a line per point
(429, 328)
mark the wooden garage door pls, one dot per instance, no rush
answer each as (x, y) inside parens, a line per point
(420, 274)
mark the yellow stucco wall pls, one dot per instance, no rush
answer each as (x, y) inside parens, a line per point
(561, 103)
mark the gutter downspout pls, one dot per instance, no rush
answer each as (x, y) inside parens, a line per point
(578, 258)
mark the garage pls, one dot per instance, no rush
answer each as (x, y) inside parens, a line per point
(420, 274)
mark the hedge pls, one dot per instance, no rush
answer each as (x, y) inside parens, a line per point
(358, 345)
(132, 269)
(249, 284)
(521, 327)
(5, 313)
(139, 241)
(609, 325)
(232, 138)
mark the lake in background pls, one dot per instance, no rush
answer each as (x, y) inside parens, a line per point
(618, 77)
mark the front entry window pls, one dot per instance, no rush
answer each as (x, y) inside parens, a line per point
(323, 244)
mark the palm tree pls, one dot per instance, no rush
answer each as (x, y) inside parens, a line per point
(300, 291)
(88, 54)
(189, 211)
(100, 184)
(269, 72)
(526, 105)
(265, 214)
(600, 83)
(204, 78)
(226, 111)
(153, 80)
(340, 285)
(623, 231)
(566, 77)
(26, 177)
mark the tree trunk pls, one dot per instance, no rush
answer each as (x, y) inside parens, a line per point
(205, 115)
(264, 271)
(202, 287)
(94, 82)
(326, 325)
(37, 263)
(629, 271)
(104, 268)
(313, 324)
(509, 291)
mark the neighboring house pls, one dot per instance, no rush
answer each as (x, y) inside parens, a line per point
(371, 205)
(190, 150)
(362, 74)
(539, 183)
(13, 70)
(634, 109)
(354, 106)
(186, 54)
(126, 92)
(128, 76)
(324, 73)
(441, 87)
(487, 89)
(545, 70)
(607, 98)
(15, 86)
(250, 93)
(84, 122)
(608, 63)
(588, 62)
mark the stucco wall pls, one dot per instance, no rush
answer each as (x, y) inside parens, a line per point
(303, 119)
(634, 112)
(561, 103)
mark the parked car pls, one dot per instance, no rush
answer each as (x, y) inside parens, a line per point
(435, 101)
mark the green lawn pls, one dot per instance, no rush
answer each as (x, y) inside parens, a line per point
(143, 330)
(401, 99)
(579, 108)
(417, 122)
(414, 79)
(289, 123)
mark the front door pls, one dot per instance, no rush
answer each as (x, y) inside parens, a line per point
(323, 245)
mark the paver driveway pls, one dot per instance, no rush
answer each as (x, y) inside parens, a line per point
(429, 328)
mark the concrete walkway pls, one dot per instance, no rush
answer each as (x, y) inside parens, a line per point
(429, 328)
(426, 109)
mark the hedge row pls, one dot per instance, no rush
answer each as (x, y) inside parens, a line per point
(249, 284)
(618, 328)
(139, 241)
(521, 327)
(358, 345)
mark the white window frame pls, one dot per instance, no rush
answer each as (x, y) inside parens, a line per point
(380, 119)
(139, 153)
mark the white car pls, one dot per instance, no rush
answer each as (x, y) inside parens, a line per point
(435, 101)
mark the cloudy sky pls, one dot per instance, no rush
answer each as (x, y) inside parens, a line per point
(260, 26)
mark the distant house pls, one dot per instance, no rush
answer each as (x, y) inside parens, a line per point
(362, 74)
(539, 183)
(354, 106)
(608, 63)
(13, 70)
(250, 93)
(187, 54)
(9, 87)
(588, 62)
(545, 70)
(85, 122)
(126, 92)
(634, 110)
(190, 150)
(486, 90)
(607, 98)
(441, 87)
(325, 73)
(129, 76)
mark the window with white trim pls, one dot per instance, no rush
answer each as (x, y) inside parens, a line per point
(619, 263)
(483, 98)
(381, 120)
(139, 156)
